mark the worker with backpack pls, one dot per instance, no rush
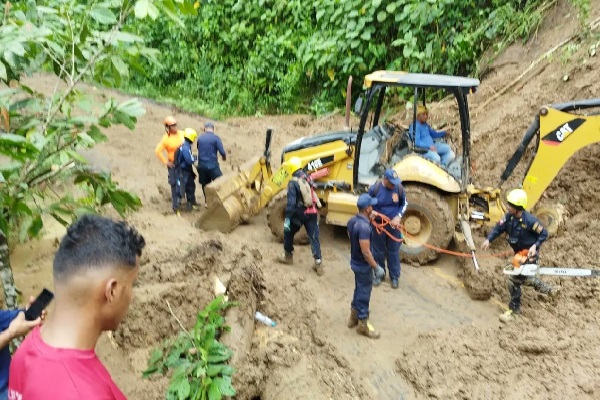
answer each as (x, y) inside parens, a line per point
(184, 161)
(302, 209)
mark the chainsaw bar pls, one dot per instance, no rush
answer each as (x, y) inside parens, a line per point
(533, 270)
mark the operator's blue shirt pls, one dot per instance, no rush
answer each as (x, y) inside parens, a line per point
(208, 146)
(425, 134)
(359, 228)
(522, 232)
(6, 317)
(390, 202)
(186, 159)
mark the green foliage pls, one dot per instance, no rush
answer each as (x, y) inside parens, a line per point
(274, 56)
(197, 358)
(43, 133)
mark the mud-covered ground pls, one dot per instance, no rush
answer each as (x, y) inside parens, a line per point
(436, 341)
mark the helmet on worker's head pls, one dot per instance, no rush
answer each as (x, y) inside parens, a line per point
(190, 134)
(517, 198)
(421, 109)
(293, 164)
(170, 120)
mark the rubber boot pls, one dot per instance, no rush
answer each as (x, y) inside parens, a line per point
(318, 267)
(353, 320)
(554, 291)
(286, 258)
(366, 329)
(509, 316)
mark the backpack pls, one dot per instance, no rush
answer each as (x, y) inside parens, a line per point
(309, 198)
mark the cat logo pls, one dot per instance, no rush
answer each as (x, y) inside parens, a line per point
(562, 132)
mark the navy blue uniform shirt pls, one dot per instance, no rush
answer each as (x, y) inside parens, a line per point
(359, 228)
(390, 202)
(208, 146)
(522, 232)
(186, 159)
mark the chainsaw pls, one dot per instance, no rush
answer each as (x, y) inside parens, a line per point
(533, 270)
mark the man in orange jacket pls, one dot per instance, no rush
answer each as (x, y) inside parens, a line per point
(171, 141)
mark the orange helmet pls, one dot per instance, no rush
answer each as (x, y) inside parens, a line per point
(170, 120)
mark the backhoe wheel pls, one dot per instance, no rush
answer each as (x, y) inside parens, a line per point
(428, 220)
(276, 215)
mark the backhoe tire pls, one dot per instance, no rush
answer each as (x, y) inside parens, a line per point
(428, 220)
(276, 215)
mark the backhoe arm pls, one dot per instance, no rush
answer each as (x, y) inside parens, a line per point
(560, 134)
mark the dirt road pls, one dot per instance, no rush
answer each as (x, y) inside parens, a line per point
(436, 342)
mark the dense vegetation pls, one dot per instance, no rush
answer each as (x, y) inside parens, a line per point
(277, 56)
(43, 132)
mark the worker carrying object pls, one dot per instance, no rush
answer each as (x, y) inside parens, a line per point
(209, 145)
(170, 142)
(363, 265)
(184, 163)
(525, 235)
(391, 202)
(302, 209)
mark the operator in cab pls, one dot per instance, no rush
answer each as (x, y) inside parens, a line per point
(391, 202)
(526, 235)
(302, 209)
(439, 152)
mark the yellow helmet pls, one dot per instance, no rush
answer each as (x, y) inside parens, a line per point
(293, 164)
(190, 134)
(517, 197)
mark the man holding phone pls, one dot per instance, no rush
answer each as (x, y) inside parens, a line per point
(94, 269)
(12, 325)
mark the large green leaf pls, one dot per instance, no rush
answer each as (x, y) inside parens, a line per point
(103, 15)
(225, 386)
(213, 391)
(141, 8)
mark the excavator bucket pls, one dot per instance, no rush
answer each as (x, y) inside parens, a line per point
(234, 198)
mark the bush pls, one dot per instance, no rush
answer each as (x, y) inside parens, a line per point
(278, 56)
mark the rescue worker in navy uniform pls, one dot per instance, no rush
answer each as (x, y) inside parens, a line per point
(525, 233)
(301, 210)
(363, 265)
(186, 161)
(391, 202)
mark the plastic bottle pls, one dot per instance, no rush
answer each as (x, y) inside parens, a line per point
(264, 319)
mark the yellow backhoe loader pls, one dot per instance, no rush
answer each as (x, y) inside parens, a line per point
(440, 198)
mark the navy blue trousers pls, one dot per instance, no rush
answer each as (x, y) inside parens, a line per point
(386, 249)
(363, 284)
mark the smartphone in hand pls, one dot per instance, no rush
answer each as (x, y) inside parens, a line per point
(39, 304)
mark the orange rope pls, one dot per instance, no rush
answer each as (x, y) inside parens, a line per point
(380, 227)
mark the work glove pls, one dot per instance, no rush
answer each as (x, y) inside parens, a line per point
(287, 225)
(379, 273)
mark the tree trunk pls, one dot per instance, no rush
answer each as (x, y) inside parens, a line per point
(6, 273)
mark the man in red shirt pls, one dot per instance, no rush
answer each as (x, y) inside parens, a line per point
(94, 271)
